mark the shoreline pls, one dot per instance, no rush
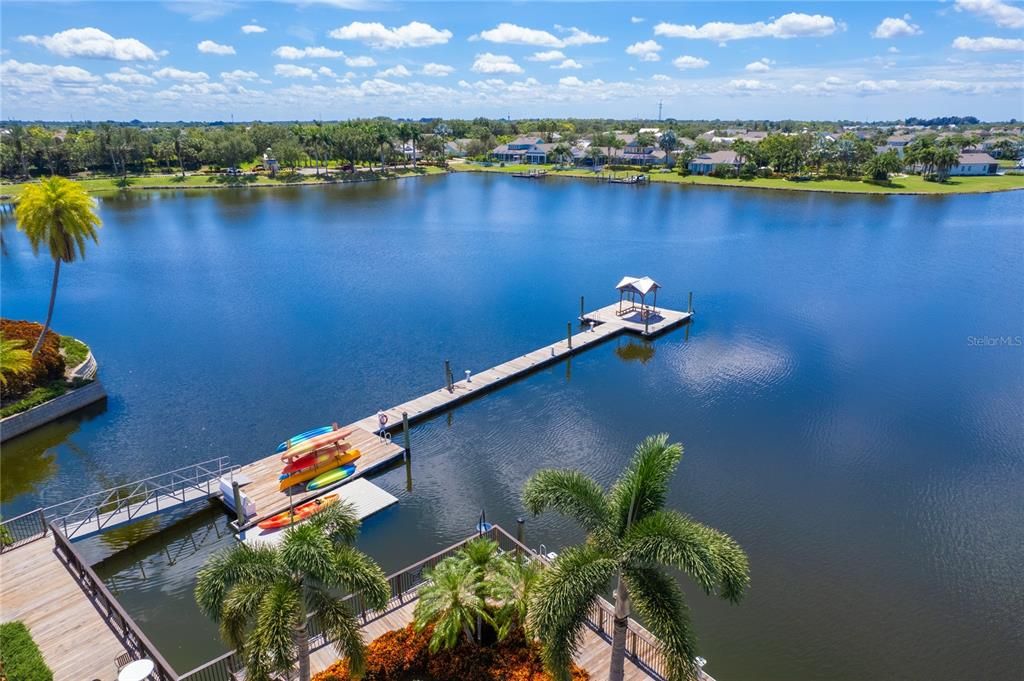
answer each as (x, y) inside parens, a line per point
(9, 198)
(688, 181)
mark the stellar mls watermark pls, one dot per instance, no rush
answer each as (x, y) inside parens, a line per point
(995, 341)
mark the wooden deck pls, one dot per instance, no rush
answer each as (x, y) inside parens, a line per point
(37, 588)
(261, 476)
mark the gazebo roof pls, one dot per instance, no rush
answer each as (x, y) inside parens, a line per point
(641, 285)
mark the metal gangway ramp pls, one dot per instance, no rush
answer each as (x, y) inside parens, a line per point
(99, 511)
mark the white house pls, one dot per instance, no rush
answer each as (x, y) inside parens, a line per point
(705, 163)
(975, 163)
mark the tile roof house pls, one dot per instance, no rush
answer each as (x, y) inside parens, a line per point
(523, 150)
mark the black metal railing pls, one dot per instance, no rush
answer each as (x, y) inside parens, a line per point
(123, 626)
(22, 529)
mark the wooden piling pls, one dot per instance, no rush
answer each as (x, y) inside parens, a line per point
(568, 334)
(689, 306)
(520, 530)
(448, 376)
(405, 434)
(239, 510)
(583, 310)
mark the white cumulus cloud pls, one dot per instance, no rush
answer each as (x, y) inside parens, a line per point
(895, 27)
(568, 64)
(436, 70)
(293, 71)
(646, 50)
(688, 62)
(792, 25)
(92, 43)
(578, 37)
(989, 44)
(211, 47)
(324, 71)
(379, 36)
(253, 28)
(178, 74)
(398, 71)
(760, 66)
(507, 33)
(636, 20)
(129, 76)
(495, 63)
(744, 85)
(549, 55)
(1003, 14)
(360, 62)
(289, 52)
(237, 74)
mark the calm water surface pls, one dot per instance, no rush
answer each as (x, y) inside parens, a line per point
(838, 419)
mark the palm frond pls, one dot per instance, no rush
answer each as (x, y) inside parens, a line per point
(339, 625)
(357, 572)
(239, 609)
(229, 567)
(561, 602)
(571, 493)
(660, 601)
(449, 600)
(305, 549)
(338, 521)
(712, 558)
(280, 611)
(643, 486)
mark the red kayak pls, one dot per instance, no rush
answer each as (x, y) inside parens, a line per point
(300, 513)
(313, 444)
(313, 458)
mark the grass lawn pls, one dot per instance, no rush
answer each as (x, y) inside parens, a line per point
(909, 184)
(75, 351)
(110, 184)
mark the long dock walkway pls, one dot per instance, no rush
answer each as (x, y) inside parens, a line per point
(377, 453)
(39, 590)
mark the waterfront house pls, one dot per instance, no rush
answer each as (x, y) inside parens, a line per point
(532, 149)
(974, 163)
(705, 163)
(457, 147)
(636, 153)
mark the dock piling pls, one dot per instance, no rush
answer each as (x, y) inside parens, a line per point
(239, 510)
(405, 434)
(568, 334)
(520, 530)
(689, 306)
(583, 310)
(448, 376)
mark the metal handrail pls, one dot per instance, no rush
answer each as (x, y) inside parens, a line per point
(22, 529)
(172, 484)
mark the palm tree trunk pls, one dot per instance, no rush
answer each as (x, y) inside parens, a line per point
(616, 670)
(302, 643)
(49, 311)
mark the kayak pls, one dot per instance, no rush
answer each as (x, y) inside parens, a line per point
(311, 459)
(300, 513)
(331, 477)
(339, 458)
(314, 443)
(301, 437)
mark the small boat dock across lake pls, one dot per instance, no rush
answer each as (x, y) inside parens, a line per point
(530, 174)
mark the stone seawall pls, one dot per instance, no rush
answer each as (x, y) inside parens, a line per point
(17, 424)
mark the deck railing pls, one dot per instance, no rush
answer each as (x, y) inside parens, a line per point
(642, 647)
(123, 626)
(22, 529)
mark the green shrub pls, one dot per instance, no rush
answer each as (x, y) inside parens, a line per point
(35, 398)
(19, 655)
(75, 351)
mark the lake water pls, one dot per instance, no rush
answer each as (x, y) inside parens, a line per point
(843, 416)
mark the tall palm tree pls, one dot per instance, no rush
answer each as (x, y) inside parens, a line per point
(631, 540)
(382, 134)
(668, 143)
(13, 359)
(262, 595)
(945, 157)
(415, 135)
(60, 215)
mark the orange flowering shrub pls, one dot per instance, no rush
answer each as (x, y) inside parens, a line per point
(403, 655)
(47, 366)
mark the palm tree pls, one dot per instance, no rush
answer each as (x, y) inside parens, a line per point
(262, 595)
(451, 601)
(944, 158)
(668, 144)
(631, 539)
(13, 359)
(382, 137)
(58, 214)
(560, 151)
(415, 134)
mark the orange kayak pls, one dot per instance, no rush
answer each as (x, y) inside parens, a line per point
(313, 458)
(313, 444)
(300, 513)
(333, 460)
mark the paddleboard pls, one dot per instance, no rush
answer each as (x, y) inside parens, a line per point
(338, 459)
(330, 477)
(314, 443)
(301, 437)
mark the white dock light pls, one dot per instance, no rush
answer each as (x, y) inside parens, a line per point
(468, 379)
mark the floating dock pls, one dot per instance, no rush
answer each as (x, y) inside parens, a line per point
(379, 452)
(364, 496)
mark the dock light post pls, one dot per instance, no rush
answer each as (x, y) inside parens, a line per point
(468, 379)
(592, 325)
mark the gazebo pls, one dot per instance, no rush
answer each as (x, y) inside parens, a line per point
(632, 287)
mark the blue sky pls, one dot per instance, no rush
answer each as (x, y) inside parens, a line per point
(339, 59)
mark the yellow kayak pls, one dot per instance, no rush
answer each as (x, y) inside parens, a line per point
(329, 461)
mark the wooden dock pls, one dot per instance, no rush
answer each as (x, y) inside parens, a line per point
(599, 326)
(37, 589)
